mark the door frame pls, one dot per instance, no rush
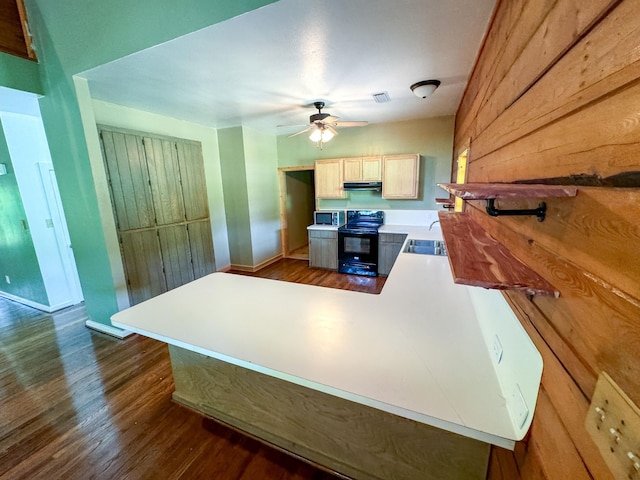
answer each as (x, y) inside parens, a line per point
(282, 184)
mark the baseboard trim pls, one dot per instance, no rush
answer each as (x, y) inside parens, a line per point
(36, 305)
(255, 268)
(108, 329)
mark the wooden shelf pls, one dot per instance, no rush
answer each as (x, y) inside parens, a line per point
(477, 259)
(487, 191)
(445, 202)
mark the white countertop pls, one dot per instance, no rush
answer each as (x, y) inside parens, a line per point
(422, 349)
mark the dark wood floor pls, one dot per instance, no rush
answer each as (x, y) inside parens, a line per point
(77, 404)
(292, 270)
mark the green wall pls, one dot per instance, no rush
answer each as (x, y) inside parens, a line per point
(261, 157)
(20, 74)
(236, 198)
(248, 159)
(18, 258)
(76, 35)
(432, 138)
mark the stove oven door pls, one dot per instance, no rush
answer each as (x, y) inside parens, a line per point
(358, 253)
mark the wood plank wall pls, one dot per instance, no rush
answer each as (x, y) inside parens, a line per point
(14, 37)
(555, 98)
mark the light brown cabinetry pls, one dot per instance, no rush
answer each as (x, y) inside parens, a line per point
(323, 249)
(363, 169)
(400, 176)
(329, 178)
(389, 246)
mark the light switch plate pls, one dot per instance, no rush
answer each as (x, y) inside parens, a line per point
(613, 422)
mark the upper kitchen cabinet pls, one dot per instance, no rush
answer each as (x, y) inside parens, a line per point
(329, 178)
(363, 169)
(400, 176)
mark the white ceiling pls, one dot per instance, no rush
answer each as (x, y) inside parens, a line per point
(265, 68)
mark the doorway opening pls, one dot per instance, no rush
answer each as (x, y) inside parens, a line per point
(297, 204)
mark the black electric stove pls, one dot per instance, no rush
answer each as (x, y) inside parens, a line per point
(358, 242)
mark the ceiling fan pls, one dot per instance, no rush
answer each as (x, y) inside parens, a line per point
(322, 125)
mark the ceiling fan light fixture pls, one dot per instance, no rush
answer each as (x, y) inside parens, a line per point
(425, 88)
(316, 135)
(326, 135)
(321, 134)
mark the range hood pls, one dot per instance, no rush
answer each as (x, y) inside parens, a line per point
(362, 186)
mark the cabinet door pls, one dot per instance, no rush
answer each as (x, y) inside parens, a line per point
(352, 169)
(371, 169)
(400, 176)
(363, 169)
(323, 249)
(389, 248)
(329, 179)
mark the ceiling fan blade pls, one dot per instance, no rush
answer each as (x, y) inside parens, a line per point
(331, 129)
(301, 131)
(350, 124)
(330, 120)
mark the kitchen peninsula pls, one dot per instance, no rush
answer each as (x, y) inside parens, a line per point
(415, 382)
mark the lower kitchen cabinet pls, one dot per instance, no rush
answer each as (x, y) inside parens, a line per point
(323, 249)
(389, 246)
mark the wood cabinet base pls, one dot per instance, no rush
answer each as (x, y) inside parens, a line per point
(355, 440)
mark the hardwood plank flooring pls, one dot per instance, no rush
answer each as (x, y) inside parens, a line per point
(298, 271)
(77, 404)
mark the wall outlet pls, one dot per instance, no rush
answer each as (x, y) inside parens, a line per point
(7, 279)
(497, 349)
(613, 422)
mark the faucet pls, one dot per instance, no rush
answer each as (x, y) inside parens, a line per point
(433, 223)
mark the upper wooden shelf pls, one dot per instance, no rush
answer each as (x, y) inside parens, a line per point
(479, 260)
(487, 191)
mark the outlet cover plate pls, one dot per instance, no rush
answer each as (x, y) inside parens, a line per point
(613, 422)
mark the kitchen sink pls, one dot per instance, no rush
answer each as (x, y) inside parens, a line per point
(426, 247)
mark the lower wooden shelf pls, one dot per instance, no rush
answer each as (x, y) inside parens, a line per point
(477, 259)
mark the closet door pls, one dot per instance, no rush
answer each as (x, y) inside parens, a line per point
(176, 255)
(143, 264)
(201, 245)
(194, 188)
(159, 200)
(164, 177)
(128, 180)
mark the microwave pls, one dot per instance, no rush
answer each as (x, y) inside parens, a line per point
(328, 217)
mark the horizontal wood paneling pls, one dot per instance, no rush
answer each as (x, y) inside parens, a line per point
(603, 140)
(579, 313)
(561, 106)
(568, 403)
(606, 59)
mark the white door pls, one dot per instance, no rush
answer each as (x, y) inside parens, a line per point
(59, 225)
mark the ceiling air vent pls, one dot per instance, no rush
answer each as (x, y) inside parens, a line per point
(382, 97)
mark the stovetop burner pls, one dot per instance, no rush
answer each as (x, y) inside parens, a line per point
(363, 220)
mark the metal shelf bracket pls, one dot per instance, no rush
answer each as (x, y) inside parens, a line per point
(539, 212)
